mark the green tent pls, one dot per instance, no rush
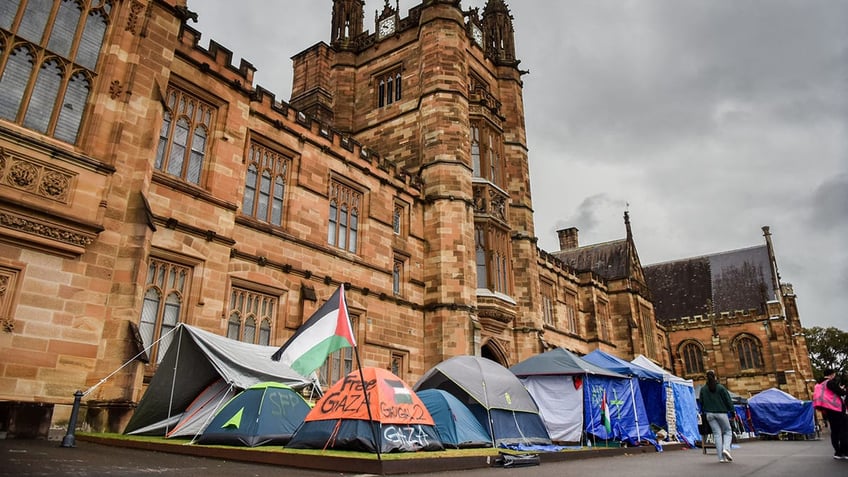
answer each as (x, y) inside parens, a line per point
(263, 414)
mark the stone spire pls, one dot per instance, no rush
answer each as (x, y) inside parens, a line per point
(498, 32)
(348, 18)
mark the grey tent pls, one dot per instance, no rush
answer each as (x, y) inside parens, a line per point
(196, 359)
(494, 395)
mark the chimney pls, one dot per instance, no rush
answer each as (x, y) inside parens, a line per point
(568, 238)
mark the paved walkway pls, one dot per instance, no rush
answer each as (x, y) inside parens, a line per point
(31, 458)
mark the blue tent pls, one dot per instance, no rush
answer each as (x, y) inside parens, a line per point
(626, 410)
(681, 401)
(456, 425)
(774, 411)
(650, 384)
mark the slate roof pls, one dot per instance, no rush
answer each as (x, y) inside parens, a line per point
(608, 259)
(734, 280)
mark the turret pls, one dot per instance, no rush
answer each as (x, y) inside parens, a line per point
(498, 32)
(348, 20)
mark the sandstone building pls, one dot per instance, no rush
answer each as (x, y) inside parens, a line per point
(145, 182)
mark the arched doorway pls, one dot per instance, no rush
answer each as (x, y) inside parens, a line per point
(493, 350)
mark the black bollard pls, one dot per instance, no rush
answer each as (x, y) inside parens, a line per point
(70, 439)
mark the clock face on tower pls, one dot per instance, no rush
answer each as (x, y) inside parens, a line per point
(386, 27)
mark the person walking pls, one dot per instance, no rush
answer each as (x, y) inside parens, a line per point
(716, 403)
(829, 398)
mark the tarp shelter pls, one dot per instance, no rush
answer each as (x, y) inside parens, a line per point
(341, 419)
(457, 426)
(263, 414)
(647, 385)
(555, 379)
(201, 411)
(494, 395)
(195, 359)
(774, 411)
(679, 399)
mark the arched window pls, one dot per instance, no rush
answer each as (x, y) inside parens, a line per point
(693, 357)
(159, 316)
(389, 87)
(265, 332)
(183, 142)
(234, 326)
(247, 308)
(264, 192)
(748, 351)
(343, 219)
(61, 42)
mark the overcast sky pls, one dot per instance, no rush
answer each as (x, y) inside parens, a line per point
(707, 119)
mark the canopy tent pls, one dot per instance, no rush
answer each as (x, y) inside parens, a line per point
(774, 411)
(195, 359)
(496, 397)
(263, 414)
(393, 414)
(626, 410)
(680, 402)
(555, 379)
(649, 383)
(457, 426)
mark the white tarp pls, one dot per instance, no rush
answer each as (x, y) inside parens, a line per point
(560, 405)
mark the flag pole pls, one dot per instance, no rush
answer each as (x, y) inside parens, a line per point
(364, 385)
(367, 403)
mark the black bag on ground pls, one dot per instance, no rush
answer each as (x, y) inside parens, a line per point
(511, 460)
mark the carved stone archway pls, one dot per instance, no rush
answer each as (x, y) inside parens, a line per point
(494, 350)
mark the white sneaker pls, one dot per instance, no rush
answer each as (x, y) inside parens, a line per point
(727, 455)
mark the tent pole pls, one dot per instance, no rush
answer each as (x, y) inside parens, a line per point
(173, 382)
(367, 404)
(635, 414)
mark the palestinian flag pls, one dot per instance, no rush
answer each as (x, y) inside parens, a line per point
(605, 417)
(325, 332)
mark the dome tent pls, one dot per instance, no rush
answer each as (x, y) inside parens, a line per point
(494, 395)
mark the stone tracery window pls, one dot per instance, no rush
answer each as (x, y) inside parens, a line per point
(165, 294)
(748, 352)
(47, 69)
(345, 209)
(265, 184)
(389, 87)
(249, 310)
(184, 135)
(692, 354)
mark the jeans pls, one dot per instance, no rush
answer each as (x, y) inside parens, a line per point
(722, 433)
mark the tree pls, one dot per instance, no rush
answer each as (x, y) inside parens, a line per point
(828, 348)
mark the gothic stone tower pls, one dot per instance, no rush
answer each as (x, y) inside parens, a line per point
(439, 94)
